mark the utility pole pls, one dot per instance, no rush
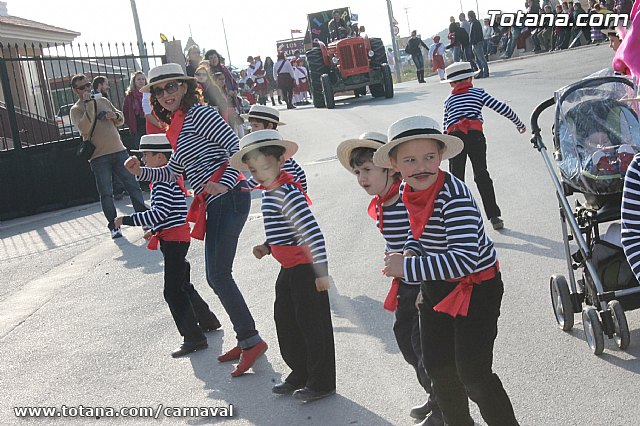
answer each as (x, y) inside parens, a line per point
(144, 61)
(406, 12)
(394, 42)
(461, 8)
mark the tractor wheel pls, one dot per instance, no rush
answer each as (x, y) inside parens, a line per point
(360, 92)
(327, 90)
(387, 81)
(379, 54)
(377, 90)
(316, 69)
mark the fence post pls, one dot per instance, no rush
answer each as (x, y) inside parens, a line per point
(8, 101)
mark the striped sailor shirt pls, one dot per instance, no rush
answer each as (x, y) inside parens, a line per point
(396, 227)
(469, 105)
(454, 240)
(288, 221)
(630, 215)
(205, 143)
(290, 166)
(168, 208)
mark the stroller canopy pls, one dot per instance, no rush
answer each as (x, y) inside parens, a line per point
(596, 134)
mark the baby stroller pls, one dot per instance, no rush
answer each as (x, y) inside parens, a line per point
(595, 137)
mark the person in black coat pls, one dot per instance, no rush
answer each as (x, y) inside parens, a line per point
(413, 48)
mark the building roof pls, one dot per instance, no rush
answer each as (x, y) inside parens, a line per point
(15, 29)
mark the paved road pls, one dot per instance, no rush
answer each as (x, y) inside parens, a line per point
(83, 322)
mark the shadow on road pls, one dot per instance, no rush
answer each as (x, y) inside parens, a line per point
(533, 244)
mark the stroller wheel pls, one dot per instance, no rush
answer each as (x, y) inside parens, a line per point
(593, 329)
(622, 335)
(561, 301)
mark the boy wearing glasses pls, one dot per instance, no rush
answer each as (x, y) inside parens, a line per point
(110, 154)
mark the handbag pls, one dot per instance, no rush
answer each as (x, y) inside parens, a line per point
(87, 148)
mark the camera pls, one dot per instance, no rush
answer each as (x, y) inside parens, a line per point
(96, 95)
(102, 115)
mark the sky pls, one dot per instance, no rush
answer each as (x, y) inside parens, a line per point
(252, 27)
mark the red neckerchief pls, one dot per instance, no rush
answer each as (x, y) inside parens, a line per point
(177, 120)
(457, 302)
(379, 201)
(391, 301)
(197, 213)
(420, 204)
(284, 178)
(175, 233)
(460, 88)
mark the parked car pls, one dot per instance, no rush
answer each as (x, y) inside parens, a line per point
(63, 120)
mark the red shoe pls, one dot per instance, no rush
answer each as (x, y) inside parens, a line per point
(248, 357)
(231, 355)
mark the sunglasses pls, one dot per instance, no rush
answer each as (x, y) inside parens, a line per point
(170, 88)
(201, 74)
(83, 87)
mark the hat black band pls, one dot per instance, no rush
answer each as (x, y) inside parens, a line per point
(457, 73)
(262, 140)
(260, 114)
(416, 132)
(166, 76)
(154, 146)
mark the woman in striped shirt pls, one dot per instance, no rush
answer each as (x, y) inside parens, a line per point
(390, 214)
(450, 253)
(204, 142)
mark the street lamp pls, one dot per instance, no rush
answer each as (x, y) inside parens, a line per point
(141, 47)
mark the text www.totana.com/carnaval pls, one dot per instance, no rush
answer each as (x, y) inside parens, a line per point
(139, 412)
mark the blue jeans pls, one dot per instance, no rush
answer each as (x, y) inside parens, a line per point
(478, 50)
(457, 54)
(104, 168)
(226, 216)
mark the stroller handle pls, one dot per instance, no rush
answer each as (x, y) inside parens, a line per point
(536, 139)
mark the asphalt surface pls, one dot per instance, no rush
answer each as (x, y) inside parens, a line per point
(83, 320)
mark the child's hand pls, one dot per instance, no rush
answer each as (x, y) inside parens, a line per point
(118, 221)
(260, 251)
(394, 265)
(147, 235)
(522, 129)
(322, 284)
(410, 253)
(133, 165)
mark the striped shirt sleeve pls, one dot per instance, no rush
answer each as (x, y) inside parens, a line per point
(630, 215)
(501, 108)
(299, 215)
(291, 166)
(462, 224)
(168, 173)
(210, 125)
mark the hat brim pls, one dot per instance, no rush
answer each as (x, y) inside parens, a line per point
(453, 145)
(248, 116)
(236, 159)
(345, 149)
(609, 32)
(461, 77)
(147, 88)
(151, 150)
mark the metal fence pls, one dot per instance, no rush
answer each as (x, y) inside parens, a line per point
(39, 170)
(36, 93)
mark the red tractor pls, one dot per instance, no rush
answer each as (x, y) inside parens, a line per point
(348, 64)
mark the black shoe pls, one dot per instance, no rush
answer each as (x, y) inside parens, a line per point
(433, 419)
(188, 347)
(211, 325)
(496, 222)
(307, 395)
(284, 388)
(420, 411)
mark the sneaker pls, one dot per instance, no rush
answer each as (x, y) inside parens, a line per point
(116, 233)
(497, 223)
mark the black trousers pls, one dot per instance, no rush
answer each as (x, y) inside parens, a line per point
(475, 147)
(407, 331)
(285, 84)
(178, 291)
(458, 354)
(305, 333)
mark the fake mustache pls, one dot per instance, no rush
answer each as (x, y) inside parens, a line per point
(422, 174)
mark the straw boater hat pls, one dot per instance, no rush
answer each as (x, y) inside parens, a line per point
(258, 139)
(459, 71)
(165, 72)
(416, 127)
(373, 140)
(263, 112)
(610, 30)
(154, 143)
